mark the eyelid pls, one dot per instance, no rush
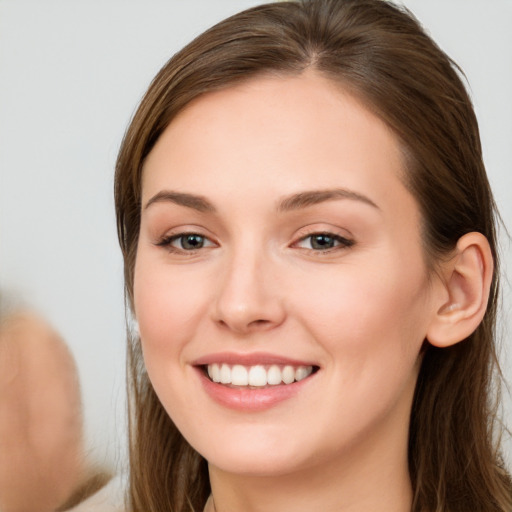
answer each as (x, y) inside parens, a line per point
(167, 240)
(209, 243)
(344, 240)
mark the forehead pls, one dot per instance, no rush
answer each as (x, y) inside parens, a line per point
(274, 135)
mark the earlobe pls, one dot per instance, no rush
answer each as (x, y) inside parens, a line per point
(466, 284)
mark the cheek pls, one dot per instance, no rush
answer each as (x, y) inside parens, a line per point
(371, 326)
(168, 306)
(368, 312)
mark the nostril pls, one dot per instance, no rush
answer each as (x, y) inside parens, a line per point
(259, 323)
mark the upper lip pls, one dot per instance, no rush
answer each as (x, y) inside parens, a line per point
(251, 359)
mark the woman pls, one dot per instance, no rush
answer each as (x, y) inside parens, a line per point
(310, 254)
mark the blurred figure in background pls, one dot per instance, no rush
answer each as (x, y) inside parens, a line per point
(42, 461)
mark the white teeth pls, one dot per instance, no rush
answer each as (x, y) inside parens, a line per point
(215, 372)
(258, 375)
(239, 375)
(288, 374)
(274, 376)
(225, 374)
(301, 373)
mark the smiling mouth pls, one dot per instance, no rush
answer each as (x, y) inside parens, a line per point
(257, 376)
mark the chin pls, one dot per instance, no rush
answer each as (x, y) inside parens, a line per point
(257, 466)
(257, 453)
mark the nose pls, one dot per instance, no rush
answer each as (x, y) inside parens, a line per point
(249, 296)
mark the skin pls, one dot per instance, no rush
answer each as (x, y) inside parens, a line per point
(41, 450)
(359, 312)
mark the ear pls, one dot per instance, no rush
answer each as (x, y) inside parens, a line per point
(465, 285)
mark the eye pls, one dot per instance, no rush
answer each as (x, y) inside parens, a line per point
(323, 242)
(186, 242)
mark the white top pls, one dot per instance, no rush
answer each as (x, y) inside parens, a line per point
(108, 499)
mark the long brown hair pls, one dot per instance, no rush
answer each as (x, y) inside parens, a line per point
(380, 53)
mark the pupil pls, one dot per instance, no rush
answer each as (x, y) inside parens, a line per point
(322, 242)
(192, 242)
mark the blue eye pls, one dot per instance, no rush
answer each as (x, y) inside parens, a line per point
(324, 242)
(186, 242)
(189, 242)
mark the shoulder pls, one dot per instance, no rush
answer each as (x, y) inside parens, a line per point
(108, 499)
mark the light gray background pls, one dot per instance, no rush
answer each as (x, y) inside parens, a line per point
(71, 74)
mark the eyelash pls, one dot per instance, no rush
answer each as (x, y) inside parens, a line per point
(342, 242)
(339, 241)
(167, 242)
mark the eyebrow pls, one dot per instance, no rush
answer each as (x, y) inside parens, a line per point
(199, 203)
(312, 197)
(289, 203)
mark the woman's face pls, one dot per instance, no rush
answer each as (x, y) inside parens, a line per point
(280, 252)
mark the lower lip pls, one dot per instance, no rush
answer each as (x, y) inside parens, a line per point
(254, 399)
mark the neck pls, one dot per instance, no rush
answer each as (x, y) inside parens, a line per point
(369, 479)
